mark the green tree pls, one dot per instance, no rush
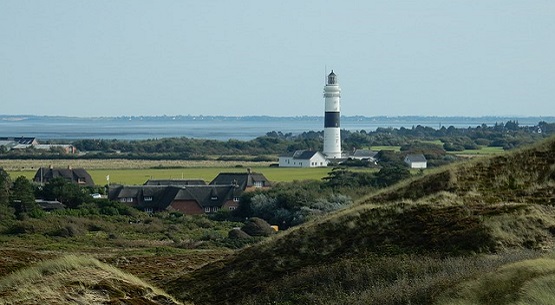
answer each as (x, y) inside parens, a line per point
(64, 191)
(392, 174)
(5, 184)
(340, 177)
(22, 196)
(6, 211)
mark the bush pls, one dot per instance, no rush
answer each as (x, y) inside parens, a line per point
(257, 227)
(69, 230)
(237, 234)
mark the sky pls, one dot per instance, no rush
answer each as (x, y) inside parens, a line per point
(251, 57)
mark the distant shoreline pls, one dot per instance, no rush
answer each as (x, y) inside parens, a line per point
(10, 117)
(221, 128)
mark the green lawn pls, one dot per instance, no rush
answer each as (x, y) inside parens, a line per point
(139, 176)
(485, 150)
(378, 148)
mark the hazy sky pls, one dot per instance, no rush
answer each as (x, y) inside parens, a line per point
(221, 57)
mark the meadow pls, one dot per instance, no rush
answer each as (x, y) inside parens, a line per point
(138, 171)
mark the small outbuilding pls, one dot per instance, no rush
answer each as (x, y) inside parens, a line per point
(416, 161)
(364, 154)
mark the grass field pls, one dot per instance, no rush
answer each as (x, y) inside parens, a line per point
(486, 150)
(140, 175)
(378, 148)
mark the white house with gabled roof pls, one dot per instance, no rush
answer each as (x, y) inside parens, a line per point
(303, 158)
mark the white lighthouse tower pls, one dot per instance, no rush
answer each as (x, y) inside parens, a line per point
(332, 134)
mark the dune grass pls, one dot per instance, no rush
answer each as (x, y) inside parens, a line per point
(526, 282)
(485, 206)
(77, 280)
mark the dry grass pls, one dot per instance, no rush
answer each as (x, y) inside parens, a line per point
(488, 205)
(77, 280)
(525, 282)
(34, 164)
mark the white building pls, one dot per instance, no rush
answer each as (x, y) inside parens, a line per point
(303, 158)
(416, 161)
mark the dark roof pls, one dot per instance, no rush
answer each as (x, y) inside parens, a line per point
(364, 153)
(243, 180)
(76, 175)
(175, 182)
(20, 140)
(301, 154)
(416, 158)
(163, 195)
(49, 205)
(304, 154)
(208, 195)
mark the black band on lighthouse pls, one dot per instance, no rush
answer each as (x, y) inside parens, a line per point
(331, 119)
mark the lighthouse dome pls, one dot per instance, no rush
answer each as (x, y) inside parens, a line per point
(332, 78)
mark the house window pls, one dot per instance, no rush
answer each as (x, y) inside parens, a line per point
(258, 184)
(235, 199)
(81, 180)
(214, 198)
(214, 209)
(207, 210)
(149, 210)
(232, 208)
(148, 198)
(126, 199)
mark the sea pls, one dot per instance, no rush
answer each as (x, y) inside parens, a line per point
(221, 128)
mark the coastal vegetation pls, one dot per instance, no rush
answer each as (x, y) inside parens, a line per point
(266, 148)
(412, 243)
(478, 231)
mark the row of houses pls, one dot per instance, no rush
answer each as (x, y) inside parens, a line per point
(10, 143)
(310, 158)
(190, 197)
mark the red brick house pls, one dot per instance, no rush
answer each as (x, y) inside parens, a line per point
(189, 196)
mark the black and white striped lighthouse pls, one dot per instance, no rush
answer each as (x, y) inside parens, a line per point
(332, 134)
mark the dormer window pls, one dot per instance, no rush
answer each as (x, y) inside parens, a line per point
(148, 198)
(214, 198)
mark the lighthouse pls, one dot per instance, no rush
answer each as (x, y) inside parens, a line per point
(332, 134)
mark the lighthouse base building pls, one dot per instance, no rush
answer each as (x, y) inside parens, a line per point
(332, 132)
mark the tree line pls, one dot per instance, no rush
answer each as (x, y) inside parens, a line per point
(264, 148)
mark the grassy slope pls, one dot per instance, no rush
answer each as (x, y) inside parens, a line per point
(485, 206)
(78, 280)
(525, 282)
